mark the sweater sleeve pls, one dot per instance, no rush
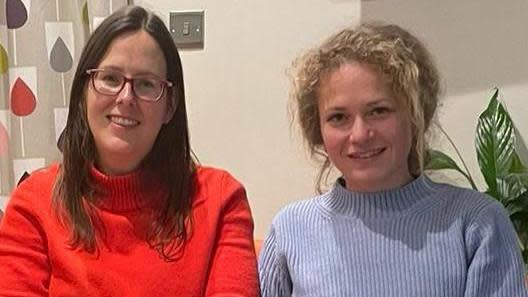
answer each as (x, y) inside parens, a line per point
(233, 270)
(496, 267)
(24, 268)
(275, 280)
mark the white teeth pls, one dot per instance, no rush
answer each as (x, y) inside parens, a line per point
(367, 154)
(124, 121)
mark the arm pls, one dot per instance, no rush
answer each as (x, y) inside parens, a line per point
(496, 267)
(275, 279)
(234, 266)
(24, 268)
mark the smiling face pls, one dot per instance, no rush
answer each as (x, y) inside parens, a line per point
(366, 134)
(124, 127)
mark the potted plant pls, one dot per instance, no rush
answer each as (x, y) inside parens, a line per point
(506, 177)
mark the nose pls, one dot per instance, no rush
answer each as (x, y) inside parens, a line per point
(126, 95)
(360, 131)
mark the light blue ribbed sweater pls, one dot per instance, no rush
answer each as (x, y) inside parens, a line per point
(425, 239)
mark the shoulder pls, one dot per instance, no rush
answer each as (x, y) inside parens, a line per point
(215, 184)
(477, 212)
(33, 194)
(208, 174)
(463, 201)
(295, 223)
(488, 225)
(41, 180)
(297, 213)
(215, 179)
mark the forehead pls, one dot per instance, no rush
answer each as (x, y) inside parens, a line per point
(353, 83)
(135, 52)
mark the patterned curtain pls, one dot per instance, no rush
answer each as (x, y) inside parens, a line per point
(40, 43)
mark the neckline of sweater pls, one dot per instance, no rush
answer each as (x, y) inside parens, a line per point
(129, 192)
(389, 203)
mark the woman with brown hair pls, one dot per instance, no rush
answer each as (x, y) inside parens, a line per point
(364, 100)
(128, 212)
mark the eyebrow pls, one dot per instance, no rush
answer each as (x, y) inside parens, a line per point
(379, 101)
(334, 108)
(369, 104)
(120, 70)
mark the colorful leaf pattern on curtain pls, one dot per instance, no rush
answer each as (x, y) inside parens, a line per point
(60, 58)
(40, 43)
(23, 100)
(3, 60)
(60, 48)
(17, 13)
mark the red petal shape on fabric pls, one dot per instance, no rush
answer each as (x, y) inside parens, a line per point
(23, 101)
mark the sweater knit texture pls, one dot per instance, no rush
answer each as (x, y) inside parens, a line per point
(217, 260)
(424, 239)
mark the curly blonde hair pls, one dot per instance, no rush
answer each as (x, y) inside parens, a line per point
(401, 59)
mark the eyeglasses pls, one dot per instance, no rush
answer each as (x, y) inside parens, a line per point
(110, 83)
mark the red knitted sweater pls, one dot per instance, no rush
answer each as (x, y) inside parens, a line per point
(218, 259)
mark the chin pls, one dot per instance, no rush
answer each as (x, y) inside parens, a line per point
(119, 148)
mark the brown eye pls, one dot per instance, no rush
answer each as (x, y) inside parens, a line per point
(146, 83)
(380, 111)
(109, 78)
(336, 118)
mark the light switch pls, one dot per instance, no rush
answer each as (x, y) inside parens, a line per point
(187, 28)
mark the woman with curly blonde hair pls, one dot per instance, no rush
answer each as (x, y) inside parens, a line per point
(364, 100)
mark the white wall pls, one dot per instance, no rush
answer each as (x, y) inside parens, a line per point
(478, 45)
(237, 90)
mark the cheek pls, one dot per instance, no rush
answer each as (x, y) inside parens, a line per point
(331, 140)
(403, 137)
(91, 110)
(95, 107)
(157, 114)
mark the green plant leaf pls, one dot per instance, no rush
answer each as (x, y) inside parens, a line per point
(519, 205)
(437, 160)
(511, 186)
(515, 181)
(517, 166)
(495, 142)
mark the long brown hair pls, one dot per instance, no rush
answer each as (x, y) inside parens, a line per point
(170, 161)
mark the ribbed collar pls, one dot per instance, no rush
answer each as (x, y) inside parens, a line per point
(377, 204)
(129, 192)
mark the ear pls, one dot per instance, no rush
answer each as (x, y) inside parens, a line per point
(172, 105)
